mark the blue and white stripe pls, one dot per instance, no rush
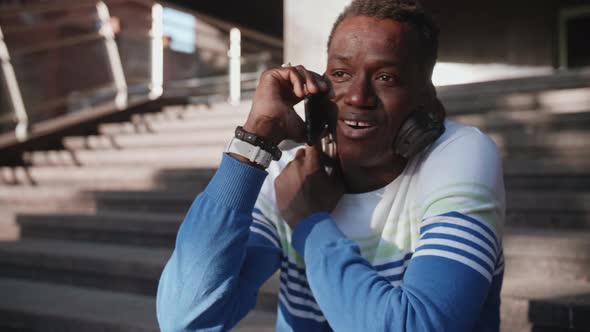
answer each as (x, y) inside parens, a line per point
(393, 268)
(261, 226)
(463, 239)
(295, 294)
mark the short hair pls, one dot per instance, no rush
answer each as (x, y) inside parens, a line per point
(407, 11)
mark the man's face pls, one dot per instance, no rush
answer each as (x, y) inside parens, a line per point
(377, 80)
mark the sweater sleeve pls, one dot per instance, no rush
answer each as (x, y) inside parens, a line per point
(450, 274)
(212, 278)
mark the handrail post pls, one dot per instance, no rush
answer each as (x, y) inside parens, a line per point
(22, 127)
(114, 57)
(235, 66)
(157, 35)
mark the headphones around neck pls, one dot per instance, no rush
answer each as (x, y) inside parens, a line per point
(419, 130)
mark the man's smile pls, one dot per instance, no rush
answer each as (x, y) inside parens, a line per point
(355, 129)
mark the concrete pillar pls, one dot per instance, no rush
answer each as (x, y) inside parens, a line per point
(307, 26)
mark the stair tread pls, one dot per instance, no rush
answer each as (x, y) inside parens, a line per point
(548, 201)
(191, 156)
(157, 139)
(135, 261)
(129, 221)
(128, 311)
(547, 243)
(577, 292)
(131, 257)
(111, 311)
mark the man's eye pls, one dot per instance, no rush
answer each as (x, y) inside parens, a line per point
(339, 73)
(386, 78)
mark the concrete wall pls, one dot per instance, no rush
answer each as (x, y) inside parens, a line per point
(307, 25)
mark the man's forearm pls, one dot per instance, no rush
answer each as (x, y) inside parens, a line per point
(437, 294)
(201, 284)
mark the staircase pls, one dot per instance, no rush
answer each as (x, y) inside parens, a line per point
(87, 230)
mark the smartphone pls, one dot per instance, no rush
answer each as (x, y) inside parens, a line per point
(317, 120)
(316, 117)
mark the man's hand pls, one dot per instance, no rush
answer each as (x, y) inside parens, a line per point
(304, 188)
(272, 116)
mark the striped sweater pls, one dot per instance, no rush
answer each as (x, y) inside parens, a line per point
(423, 253)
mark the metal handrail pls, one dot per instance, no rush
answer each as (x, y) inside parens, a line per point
(248, 33)
(156, 84)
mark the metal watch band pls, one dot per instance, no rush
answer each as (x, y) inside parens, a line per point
(253, 153)
(245, 136)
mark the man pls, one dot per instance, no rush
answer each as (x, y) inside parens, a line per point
(384, 243)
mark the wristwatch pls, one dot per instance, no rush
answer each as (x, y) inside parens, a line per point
(251, 152)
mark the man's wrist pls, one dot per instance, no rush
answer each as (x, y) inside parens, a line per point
(257, 141)
(265, 129)
(235, 184)
(245, 160)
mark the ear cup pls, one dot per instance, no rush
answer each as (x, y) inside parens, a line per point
(416, 133)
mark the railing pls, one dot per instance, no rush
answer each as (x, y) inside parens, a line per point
(69, 56)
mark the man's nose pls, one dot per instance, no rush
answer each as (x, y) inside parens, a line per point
(360, 93)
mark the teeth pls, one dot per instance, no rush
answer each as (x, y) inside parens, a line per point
(357, 123)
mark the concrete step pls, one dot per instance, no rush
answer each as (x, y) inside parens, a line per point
(216, 112)
(198, 109)
(183, 118)
(201, 137)
(105, 177)
(553, 210)
(35, 307)
(544, 166)
(548, 140)
(548, 201)
(73, 199)
(191, 156)
(112, 267)
(552, 254)
(557, 80)
(558, 145)
(182, 125)
(548, 182)
(570, 154)
(124, 228)
(576, 220)
(545, 305)
(530, 120)
(97, 265)
(563, 100)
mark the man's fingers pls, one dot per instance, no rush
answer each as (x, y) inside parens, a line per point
(304, 82)
(300, 154)
(297, 81)
(312, 157)
(294, 126)
(313, 82)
